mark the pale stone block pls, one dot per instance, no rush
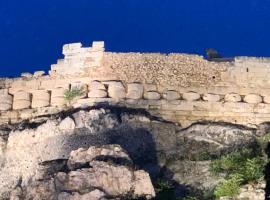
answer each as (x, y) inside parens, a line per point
(253, 98)
(59, 92)
(40, 103)
(22, 95)
(97, 94)
(266, 99)
(5, 102)
(135, 91)
(191, 96)
(233, 97)
(183, 105)
(116, 90)
(171, 95)
(98, 45)
(152, 95)
(3, 92)
(96, 85)
(150, 87)
(41, 98)
(21, 104)
(211, 97)
(58, 101)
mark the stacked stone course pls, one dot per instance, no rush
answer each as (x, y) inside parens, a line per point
(178, 87)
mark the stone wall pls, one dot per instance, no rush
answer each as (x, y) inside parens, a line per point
(178, 87)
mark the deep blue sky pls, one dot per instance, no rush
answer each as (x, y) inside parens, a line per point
(32, 32)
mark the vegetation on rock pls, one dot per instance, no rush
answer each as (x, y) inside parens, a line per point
(238, 168)
(72, 93)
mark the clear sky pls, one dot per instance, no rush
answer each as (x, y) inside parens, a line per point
(32, 32)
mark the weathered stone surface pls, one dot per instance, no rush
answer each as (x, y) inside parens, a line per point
(96, 85)
(266, 99)
(97, 94)
(191, 96)
(38, 74)
(67, 124)
(152, 95)
(143, 185)
(5, 102)
(40, 98)
(82, 156)
(57, 97)
(93, 195)
(22, 95)
(253, 98)
(116, 90)
(135, 91)
(233, 97)
(211, 97)
(171, 95)
(21, 104)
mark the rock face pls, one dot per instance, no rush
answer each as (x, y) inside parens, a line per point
(111, 152)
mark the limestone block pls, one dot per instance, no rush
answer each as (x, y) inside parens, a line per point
(266, 99)
(3, 92)
(191, 96)
(59, 92)
(38, 74)
(96, 85)
(5, 102)
(211, 97)
(150, 87)
(152, 95)
(98, 45)
(171, 95)
(116, 90)
(253, 98)
(57, 97)
(22, 95)
(58, 101)
(135, 91)
(41, 98)
(97, 94)
(233, 97)
(21, 104)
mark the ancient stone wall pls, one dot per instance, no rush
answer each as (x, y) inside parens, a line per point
(178, 87)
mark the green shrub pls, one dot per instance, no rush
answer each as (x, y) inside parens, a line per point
(189, 198)
(71, 94)
(239, 168)
(230, 187)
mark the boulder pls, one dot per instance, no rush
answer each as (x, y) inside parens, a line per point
(191, 96)
(152, 95)
(93, 195)
(171, 95)
(135, 91)
(233, 97)
(67, 124)
(211, 97)
(253, 98)
(82, 156)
